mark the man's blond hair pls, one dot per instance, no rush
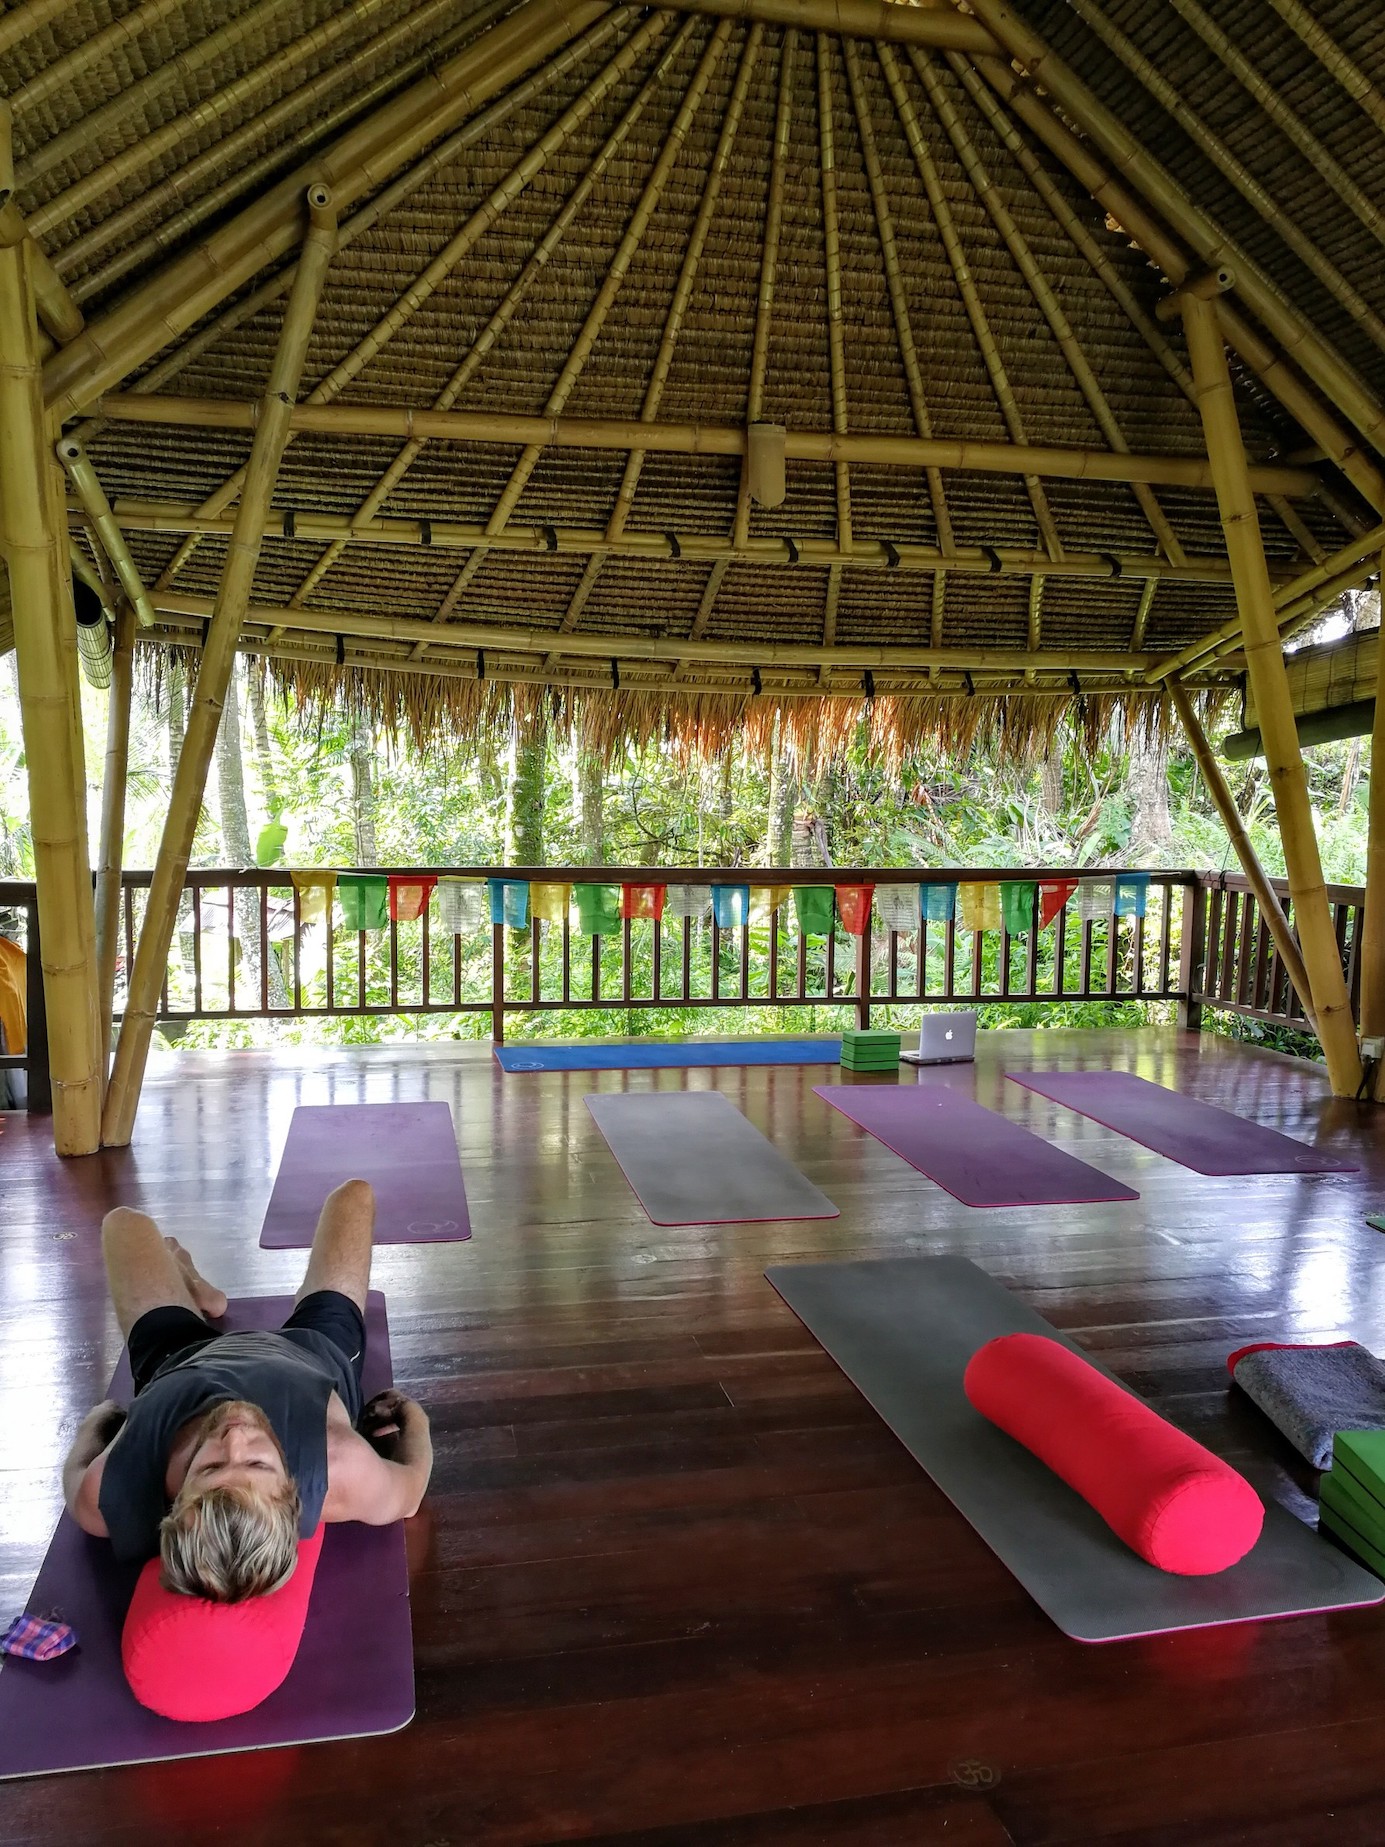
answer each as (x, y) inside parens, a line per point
(227, 1544)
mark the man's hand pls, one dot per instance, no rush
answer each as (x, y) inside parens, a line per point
(390, 1417)
(82, 1469)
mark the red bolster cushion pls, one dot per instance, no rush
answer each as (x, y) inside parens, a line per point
(191, 1659)
(1172, 1501)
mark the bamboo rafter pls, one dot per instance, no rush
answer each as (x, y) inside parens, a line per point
(1332, 58)
(832, 259)
(106, 527)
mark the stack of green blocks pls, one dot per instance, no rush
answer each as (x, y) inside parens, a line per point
(1352, 1495)
(873, 1050)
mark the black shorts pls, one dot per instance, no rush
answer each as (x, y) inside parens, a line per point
(171, 1333)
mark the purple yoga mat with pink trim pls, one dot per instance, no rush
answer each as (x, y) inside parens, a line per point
(1185, 1129)
(408, 1153)
(979, 1157)
(353, 1676)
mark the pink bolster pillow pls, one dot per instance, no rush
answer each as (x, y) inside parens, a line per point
(191, 1659)
(1172, 1501)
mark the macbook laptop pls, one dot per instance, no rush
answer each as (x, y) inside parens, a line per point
(944, 1039)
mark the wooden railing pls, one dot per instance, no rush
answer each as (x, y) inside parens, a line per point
(1235, 965)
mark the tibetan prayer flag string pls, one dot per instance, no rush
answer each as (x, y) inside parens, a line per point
(598, 909)
(315, 891)
(766, 900)
(1053, 896)
(1132, 894)
(509, 902)
(548, 899)
(462, 906)
(978, 905)
(1096, 899)
(365, 900)
(686, 901)
(643, 901)
(815, 908)
(853, 907)
(938, 903)
(730, 906)
(409, 896)
(898, 906)
(1017, 898)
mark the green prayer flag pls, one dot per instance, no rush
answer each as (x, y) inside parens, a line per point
(1017, 897)
(598, 909)
(364, 900)
(815, 906)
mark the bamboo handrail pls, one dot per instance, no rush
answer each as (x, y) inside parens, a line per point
(92, 495)
(1332, 58)
(1337, 381)
(193, 285)
(1276, 922)
(111, 847)
(1273, 705)
(214, 673)
(563, 432)
(486, 635)
(1145, 229)
(664, 546)
(45, 639)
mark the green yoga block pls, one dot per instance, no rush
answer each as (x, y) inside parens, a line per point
(869, 1064)
(872, 1039)
(1362, 1453)
(1346, 1498)
(1352, 1540)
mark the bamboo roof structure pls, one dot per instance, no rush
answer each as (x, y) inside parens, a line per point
(584, 248)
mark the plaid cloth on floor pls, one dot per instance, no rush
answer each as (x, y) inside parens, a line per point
(36, 1639)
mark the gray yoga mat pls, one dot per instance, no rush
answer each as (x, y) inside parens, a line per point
(692, 1159)
(903, 1330)
(408, 1153)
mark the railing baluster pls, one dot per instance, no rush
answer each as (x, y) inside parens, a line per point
(197, 948)
(297, 950)
(264, 948)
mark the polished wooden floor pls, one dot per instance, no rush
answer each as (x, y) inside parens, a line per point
(675, 1583)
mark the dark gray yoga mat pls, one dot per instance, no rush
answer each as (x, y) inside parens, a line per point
(974, 1153)
(353, 1676)
(408, 1153)
(903, 1330)
(1185, 1129)
(692, 1159)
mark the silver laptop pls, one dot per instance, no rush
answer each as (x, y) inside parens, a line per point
(944, 1039)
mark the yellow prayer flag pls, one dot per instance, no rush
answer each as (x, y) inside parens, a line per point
(549, 900)
(315, 890)
(765, 900)
(978, 905)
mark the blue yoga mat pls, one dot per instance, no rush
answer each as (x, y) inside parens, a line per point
(654, 1055)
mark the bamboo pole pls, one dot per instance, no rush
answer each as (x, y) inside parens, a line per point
(93, 498)
(218, 658)
(1145, 229)
(929, 24)
(556, 430)
(1331, 56)
(664, 546)
(35, 551)
(21, 21)
(542, 641)
(1372, 947)
(111, 850)
(832, 262)
(1265, 895)
(1273, 705)
(56, 308)
(1338, 382)
(190, 287)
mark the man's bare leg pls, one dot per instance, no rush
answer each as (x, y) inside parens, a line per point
(146, 1270)
(341, 1250)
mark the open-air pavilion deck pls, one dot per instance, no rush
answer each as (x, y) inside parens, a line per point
(674, 1581)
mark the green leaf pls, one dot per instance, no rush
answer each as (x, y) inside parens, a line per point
(269, 848)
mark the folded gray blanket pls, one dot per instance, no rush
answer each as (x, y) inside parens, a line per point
(1310, 1393)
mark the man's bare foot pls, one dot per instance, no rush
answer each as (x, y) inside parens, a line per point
(210, 1299)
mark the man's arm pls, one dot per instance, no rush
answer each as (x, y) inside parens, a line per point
(363, 1485)
(86, 1462)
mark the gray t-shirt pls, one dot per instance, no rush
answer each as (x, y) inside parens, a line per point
(289, 1375)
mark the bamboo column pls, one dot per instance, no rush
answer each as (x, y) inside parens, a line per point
(1265, 664)
(110, 853)
(34, 544)
(1373, 924)
(1265, 895)
(218, 658)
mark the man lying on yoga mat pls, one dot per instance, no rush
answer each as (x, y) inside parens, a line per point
(238, 1444)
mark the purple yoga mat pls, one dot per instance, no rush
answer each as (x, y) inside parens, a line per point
(1187, 1130)
(408, 1153)
(353, 1678)
(979, 1157)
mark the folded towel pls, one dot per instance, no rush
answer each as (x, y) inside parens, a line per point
(1311, 1392)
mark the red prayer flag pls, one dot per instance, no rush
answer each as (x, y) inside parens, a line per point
(1053, 895)
(853, 907)
(409, 896)
(643, 901)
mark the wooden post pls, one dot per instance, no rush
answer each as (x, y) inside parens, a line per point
(1373, 924)
(214, 673)
(498, 984)
(110, 852)
(1192, 953)
(1274, 707)
(34, 543)
(1265, 895)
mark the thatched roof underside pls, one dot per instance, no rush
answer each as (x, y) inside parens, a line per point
(697, 221)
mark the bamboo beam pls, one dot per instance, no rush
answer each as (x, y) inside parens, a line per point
(1373, 923)
(56, 308)
(929, 24)
(35, 550)
(92, 495)
(556, 430)
(543, 641)
(1265, 664)
(1265, 895)
(1332, 58)
(769, 267)
(832, 262)
(111, 850)
(22, 21)
(193, 285)
(1145, 229)
(214, 672)
(666, 547)
(1338, 382)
